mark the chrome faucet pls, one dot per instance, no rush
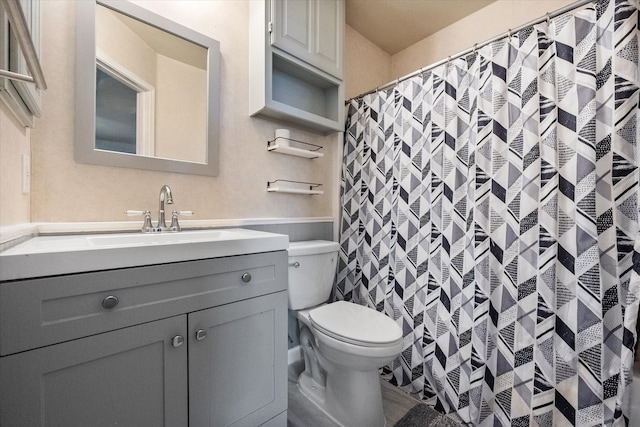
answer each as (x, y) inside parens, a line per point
(165, 195)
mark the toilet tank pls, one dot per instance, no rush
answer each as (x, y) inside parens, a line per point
(312, 269)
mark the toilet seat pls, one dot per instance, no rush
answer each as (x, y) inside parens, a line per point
(355, 324)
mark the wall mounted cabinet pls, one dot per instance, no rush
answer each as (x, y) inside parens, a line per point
(296, 62)
(176, 347)
(311, 30)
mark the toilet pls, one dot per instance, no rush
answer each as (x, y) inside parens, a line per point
(344, 344)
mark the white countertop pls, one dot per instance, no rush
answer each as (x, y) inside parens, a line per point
(66, 254)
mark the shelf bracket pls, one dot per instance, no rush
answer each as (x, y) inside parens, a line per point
(315, 146)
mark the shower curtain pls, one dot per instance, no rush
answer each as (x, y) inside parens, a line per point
(490, 207)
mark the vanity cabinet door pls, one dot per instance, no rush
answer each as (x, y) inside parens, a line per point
(238, 363)
(311, 30)
(136, 376)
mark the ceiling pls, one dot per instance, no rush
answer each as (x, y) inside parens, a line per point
(394, 25)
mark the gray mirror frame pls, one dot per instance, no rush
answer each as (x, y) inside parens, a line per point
(85, 97)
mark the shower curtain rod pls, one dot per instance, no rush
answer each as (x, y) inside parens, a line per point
(476, 46)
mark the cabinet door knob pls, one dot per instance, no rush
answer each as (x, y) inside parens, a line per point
(177, 341)
(110, 301)
(246, 277)
(201, 334)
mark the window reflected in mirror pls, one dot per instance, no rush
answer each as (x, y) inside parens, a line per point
(115, 114)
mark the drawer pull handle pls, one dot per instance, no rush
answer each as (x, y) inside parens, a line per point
(246, 277)
(201, 334)
(110, 302)
(177, 341)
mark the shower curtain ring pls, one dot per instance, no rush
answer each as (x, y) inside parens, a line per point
(509, 33)
(548, 19)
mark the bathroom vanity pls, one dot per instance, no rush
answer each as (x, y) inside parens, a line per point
(176, 332)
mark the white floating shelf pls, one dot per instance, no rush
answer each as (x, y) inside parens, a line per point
(294, 187)
(294, 191)
(295, 151)
(284, 147)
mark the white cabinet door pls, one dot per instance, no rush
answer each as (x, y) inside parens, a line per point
(291, 26)
(311, 30)
(238, 362)
(129, 377)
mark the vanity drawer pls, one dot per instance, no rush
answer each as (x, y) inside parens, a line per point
(40, 312)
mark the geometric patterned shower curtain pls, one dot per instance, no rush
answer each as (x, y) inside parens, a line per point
(490, 207)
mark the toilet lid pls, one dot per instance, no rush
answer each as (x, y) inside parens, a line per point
(355, 323)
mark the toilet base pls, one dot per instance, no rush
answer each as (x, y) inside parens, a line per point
(315, 393)
(343, 402)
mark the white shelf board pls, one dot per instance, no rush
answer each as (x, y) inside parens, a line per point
(273, 189)
(295, 151)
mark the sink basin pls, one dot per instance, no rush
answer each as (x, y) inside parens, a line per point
(64, 254)
(161, 238)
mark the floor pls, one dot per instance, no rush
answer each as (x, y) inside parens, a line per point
(303, 413)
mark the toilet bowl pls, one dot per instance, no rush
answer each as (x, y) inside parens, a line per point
(344, 344)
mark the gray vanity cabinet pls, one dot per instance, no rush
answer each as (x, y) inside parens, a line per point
(197, 343)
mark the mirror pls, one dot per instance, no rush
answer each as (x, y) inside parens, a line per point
(146, 91)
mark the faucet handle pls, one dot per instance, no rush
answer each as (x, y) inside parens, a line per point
(174, 222)
(147, 227)
(175, 226)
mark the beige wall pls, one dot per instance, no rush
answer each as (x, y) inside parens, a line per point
(366, 65)
(64, 190)
(15, 141)
(488, 22)
(179, 133)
